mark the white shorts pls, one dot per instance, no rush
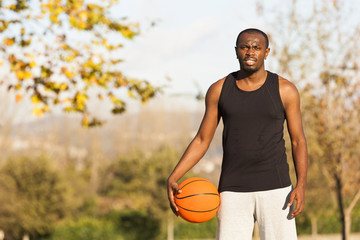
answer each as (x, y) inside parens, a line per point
(239, 210)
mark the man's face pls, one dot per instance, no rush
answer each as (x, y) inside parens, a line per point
(251, 51)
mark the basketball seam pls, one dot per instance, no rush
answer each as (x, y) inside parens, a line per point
(197, 180)
(197, 195)
(199, 211)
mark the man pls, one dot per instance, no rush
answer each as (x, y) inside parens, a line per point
(254, 183)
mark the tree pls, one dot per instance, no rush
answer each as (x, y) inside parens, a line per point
(86, 228)
(58, 51)
(137, 183)
(320, 48)
(32, 197)
(335, 118)
(121, 180)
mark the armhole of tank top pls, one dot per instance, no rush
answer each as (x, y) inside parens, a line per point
(221, 92)
(278, 93)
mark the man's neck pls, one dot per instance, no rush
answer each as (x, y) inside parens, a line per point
(252, 77)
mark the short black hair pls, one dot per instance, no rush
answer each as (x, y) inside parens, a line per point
(254, 30)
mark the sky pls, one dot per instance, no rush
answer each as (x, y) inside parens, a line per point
(192, 42)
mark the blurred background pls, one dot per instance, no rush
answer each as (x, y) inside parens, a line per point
(100, 98)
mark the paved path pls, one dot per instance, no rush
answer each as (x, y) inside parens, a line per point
(354, 236)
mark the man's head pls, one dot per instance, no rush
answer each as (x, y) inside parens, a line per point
(252, 48)
(253, 30)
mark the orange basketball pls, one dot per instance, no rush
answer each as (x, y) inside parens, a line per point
(199, 200)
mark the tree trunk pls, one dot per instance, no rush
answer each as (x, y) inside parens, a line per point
(347, 224)
(348, 212)
(341, 204)
(314, 230)
(26, 237)
(170, 227)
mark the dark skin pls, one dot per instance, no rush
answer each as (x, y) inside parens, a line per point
(251, 51)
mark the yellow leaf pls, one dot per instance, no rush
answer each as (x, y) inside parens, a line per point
(70, 58)
(35, 99)
(38, 111)
(85, 121)
(63, 86)
(20, 74)
(18, 98)
(29, 55)
(131, 94)
(32, 64)
(92, 79)
(81, 98)
(27, 75)
(9, 41)
(46, 108)
(69, 74)
(83, 15)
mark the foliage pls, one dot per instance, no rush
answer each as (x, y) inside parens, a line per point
(303, 225)
(86, 229)
(186, 230)
(32, 198)
(326, 62)
(139, 182)
(140, 175)
(81, 200)
(56, 51)
(135, 225)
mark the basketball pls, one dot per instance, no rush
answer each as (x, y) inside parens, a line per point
(199, 200)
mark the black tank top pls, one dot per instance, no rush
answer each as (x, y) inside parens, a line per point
(254, 157)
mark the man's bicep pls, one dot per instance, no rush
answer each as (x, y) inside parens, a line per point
(211, 116)
(293, 113)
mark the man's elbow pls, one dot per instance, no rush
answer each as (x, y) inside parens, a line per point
(299, 142)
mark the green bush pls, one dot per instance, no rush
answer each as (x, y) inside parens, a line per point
(303, 224)
(185, 230)
(329, 225)
(86, 229)
(355, 225)
(135, 224)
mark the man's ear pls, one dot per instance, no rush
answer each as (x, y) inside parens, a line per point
(267, 51)
(237, 56)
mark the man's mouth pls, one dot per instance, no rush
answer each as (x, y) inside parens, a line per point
(250, 61)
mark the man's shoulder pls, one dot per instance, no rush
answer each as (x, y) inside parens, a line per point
(214, 90)
(285, 85)
(217, 86)
(219, 83)
(288, 91)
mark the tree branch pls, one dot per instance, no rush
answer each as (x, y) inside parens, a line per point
(353, 202)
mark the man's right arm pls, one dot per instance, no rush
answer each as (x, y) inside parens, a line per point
(199, 145)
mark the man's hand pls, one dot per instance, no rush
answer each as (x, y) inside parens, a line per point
(173, 189)
(297, 194)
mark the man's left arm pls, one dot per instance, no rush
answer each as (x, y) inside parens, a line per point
(291, 100)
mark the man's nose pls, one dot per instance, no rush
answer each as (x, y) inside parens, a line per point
(250, 51)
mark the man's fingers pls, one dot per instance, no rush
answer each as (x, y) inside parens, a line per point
(299, 208)
(173, 190)
(291, 199)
